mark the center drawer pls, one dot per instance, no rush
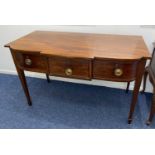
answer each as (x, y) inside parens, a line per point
(70, 67)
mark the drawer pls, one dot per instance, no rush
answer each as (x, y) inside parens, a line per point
(114, 70)
(32, 62)
(70, 67)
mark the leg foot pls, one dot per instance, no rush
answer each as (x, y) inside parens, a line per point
(148, 123)
(129, 121)
(29, 103)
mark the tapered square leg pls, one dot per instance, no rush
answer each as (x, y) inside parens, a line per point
(127, 88)
(139, 75)
(22, 78)
(24, 85)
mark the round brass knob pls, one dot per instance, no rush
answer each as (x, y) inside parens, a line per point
(118, 72)
(68, 71)
(28, 61)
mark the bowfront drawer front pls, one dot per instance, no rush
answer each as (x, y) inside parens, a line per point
(70, 67)
(32, 62)
(114, 70)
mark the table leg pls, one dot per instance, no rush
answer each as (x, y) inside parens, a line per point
(128, 85)
(47, 77)
(24, 85)
(139, 75)
(22, 78)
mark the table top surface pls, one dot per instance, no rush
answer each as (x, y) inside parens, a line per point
(85, 45)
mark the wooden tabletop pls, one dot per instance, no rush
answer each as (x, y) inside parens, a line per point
(84, 45)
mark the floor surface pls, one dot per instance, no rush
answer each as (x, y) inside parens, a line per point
(62, 105)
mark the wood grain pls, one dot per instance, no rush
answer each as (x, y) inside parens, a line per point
(81, 68)
(104, 69)
(39, 63)
(83, 45)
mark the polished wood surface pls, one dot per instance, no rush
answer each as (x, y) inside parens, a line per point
(86, 56)
(79, 68)
(37, 63)
(83, 45)
(104, 69)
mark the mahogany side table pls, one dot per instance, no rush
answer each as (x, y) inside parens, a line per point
(119, 58)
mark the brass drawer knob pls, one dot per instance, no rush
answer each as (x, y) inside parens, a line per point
(68, 71)
(118, 72)
(28, 61)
